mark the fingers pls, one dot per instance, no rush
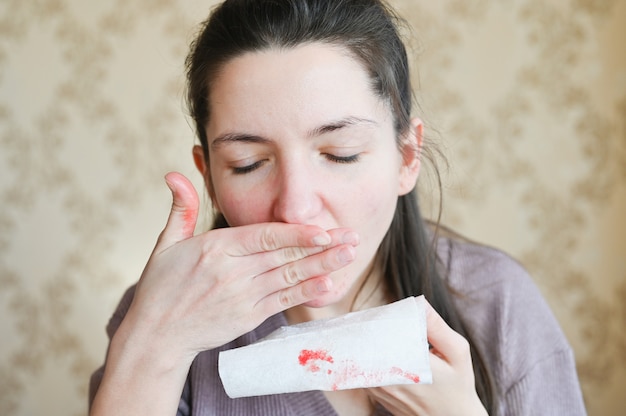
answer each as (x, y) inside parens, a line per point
(398, 400)
(258, 238)
(447, 343)
(302, 293)
(308, 278)
(452, 391)
(289, 255)
(184, 213)
(315, 265)
(282, 267)
(306, 291)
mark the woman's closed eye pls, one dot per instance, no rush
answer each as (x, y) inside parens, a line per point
(251, 167)
(342, 159)
(242, 170)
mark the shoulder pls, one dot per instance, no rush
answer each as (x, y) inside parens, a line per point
(471, 266)
(488, 277)
(508, 319)
(494, 292)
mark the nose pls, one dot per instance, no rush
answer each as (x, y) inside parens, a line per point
(297, 200)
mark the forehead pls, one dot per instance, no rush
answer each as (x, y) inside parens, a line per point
(299, 87)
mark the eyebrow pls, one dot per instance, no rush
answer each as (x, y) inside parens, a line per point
(339, 124)
(317, 131)
(236, 138)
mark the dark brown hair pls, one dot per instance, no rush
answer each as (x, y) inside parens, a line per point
(369, 30)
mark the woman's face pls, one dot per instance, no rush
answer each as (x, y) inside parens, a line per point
(297, 136)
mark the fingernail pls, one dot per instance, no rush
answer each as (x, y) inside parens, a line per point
(322, 239)
(350, 237)
(323, 286)
(345, 255)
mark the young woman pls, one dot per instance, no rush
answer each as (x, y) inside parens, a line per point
(310, 157)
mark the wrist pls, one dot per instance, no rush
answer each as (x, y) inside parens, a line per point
(146, 349)
(143, 373)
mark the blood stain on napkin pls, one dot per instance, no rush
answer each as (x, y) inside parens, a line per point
(310, 359)
(398, 371)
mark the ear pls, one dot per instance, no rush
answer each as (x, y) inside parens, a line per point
(205, 171)
(411, 153)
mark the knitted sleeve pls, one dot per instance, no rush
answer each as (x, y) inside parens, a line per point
(550, 387)
(111, 328)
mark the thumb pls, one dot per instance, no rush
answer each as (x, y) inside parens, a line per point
(184, 213)
(446, 342)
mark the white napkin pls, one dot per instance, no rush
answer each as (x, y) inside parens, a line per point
(375, 347)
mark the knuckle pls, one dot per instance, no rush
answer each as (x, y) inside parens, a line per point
(464, 344)
(292, 254)
(267, 239)
(308, 291)
(291, 274)
(328, 262)
(463, 347)
(210, 249)
(285, 299)
(210, 238)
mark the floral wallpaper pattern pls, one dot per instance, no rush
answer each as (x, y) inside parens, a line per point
(526, 100)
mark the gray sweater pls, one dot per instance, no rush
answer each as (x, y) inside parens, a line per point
(510, 322)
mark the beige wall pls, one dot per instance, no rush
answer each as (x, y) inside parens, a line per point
(528, 99)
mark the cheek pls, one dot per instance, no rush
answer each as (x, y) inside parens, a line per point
(249, 208)
(377, 201)
(369, 211)
(375, 213)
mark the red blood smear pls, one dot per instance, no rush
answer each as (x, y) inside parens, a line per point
(306, 356)
(413, 377)
(189, 217)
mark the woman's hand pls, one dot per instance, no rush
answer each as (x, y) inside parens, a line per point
(452, 392)
(200, 292)
(206, 290)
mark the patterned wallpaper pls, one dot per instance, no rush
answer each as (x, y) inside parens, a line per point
(527, 100)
